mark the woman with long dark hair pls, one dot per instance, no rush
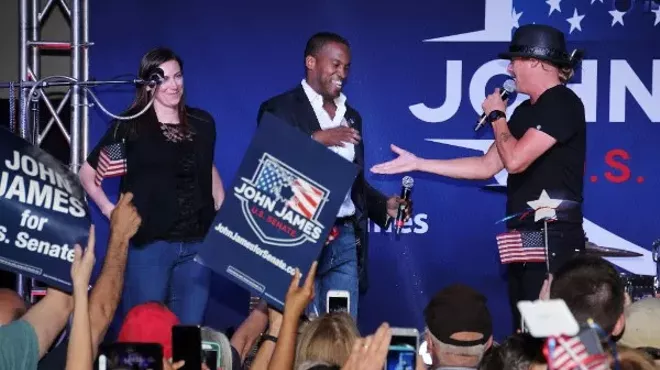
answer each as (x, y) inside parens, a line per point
(165, 158)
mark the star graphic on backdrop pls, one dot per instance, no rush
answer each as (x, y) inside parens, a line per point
(617, 17)
(545, 206)
(657, 16)
(593, 1)
(514, 18)
(575, 21)
(554, 5)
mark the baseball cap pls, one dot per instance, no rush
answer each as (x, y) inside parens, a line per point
(642, 323)
(458, 308)
(149, 322)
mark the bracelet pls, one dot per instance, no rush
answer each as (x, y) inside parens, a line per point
(265, 337)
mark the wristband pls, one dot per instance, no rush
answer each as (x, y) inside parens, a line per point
(265, 337)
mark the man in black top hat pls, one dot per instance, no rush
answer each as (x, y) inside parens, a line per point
(542, 146)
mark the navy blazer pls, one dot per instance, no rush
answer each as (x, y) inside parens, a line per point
(294, 108)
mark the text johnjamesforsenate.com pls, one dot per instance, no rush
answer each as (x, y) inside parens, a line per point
(254, 248)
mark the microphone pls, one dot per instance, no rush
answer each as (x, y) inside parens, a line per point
(406, 188)
(155, 78)
(508, 88)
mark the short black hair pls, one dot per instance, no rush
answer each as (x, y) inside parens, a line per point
(319, 40)
(592, 289)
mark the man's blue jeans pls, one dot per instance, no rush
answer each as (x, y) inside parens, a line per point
(337, 270)
(166, 272)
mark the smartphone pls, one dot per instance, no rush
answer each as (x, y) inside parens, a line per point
(211, 354)
(337, 301)
(402, 354)
(139, 356)
(187, 346)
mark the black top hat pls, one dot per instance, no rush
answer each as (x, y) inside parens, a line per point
(541, 42)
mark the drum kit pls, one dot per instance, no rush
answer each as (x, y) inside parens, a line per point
(637, 286)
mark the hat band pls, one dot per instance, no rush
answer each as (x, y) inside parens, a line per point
(540, 51)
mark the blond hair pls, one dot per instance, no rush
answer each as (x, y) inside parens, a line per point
(565, 74)
(329, 339)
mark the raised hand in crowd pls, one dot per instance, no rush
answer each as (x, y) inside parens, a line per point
(124, 219)
(79, 353)
(106, 294)
(267, 347)
(249, 331)
(370, 353)
(169, 365)
(297, 299)
(544, 295)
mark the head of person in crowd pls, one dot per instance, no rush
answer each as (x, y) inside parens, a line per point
(327, 339)
(459, 327)
(592, 289)
(12, 306)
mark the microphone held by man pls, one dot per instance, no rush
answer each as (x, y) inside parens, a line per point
(401, 216)
(508, 88)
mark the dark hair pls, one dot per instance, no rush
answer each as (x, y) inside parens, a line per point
(518, 352)
(319, 40)
(149, 65)
(592, 289)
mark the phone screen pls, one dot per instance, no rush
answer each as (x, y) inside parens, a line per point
(139, 356)
(211, 358)
(402, 354)
(337, 304)
(187, 346)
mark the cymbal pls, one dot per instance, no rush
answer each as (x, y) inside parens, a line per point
(597, 250)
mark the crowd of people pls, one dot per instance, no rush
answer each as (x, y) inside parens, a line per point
(151, 279)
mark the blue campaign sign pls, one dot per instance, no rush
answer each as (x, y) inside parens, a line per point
(43, 213)
(278, 211)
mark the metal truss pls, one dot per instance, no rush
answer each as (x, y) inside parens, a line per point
(33, 14)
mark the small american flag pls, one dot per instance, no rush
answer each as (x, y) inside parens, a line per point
(299, 194)
(584, 352)
(112, 162)
(520, 247)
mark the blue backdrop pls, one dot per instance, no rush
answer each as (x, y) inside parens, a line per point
(420, 72)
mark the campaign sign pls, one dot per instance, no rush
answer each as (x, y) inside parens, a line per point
(43, 213)
(279, 210)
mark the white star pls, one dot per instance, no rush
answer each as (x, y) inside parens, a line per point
(657, 16)
(617, 17)
(514, 18)
(554, 5)
(545, 206)
(575, 21)
(593, 1)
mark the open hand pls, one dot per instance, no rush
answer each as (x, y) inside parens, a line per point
(337, 136)
(405, 162)
(370, 353)
(81, 268)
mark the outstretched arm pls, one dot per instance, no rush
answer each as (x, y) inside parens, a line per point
(473, 168)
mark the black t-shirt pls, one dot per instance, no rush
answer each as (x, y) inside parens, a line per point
(558, 112)
(170, 177)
